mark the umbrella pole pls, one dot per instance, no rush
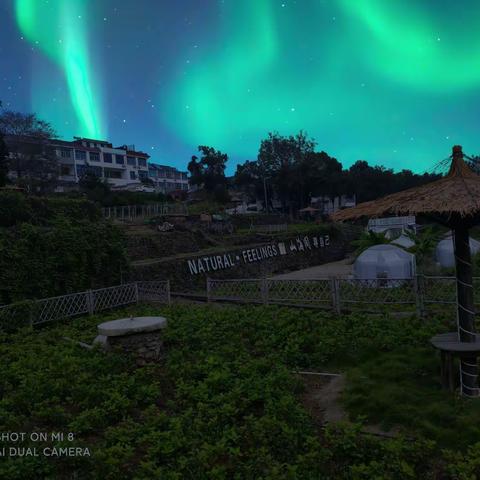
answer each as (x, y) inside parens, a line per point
(465, 310)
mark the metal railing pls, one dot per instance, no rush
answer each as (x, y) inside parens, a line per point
(132, 212)
(269, 228)
(34, 312)
(417, 294)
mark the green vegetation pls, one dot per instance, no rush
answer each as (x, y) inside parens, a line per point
(56, 246)
(402, 388)
(225, 403)
(369, 239)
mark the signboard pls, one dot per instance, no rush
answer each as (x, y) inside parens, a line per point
(224, 261)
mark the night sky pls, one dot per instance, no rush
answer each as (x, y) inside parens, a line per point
(392, 82)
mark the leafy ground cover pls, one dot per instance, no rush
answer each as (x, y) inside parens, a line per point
(225, 403)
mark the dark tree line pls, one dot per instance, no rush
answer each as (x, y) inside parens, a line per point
(25, 151)
(290, 168)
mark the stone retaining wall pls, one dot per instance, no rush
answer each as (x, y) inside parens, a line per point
(145, 347)
(189, 274)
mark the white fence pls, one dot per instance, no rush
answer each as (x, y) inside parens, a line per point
(131, 212)
(35, 312)
(417, 294)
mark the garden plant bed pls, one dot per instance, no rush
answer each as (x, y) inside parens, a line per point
(225, 404)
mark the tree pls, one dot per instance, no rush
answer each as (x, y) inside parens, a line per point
(94, 188)
(3, 161)
(209, 172)
(249, 177)
(279, 158)
(369, 239)
(25, 124)
(32, 160)
(425, 243)
(318, 174)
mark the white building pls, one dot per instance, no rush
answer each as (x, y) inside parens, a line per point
(392, 226)
(167, 179)
(122, 167)
(328, 205)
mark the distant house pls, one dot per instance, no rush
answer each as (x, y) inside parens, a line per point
(392, 226)
(121, 166)
(168, 180)
(328, 205)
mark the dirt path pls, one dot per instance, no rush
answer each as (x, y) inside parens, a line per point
(333, 269)
(322, 398)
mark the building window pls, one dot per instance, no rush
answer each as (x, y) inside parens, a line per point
(142, 175)
(142, 162)
(83, 170)
(65, 153)
(120, 159)
(113, 174)
(94, 156)
(133, 175)
(80, 155)
(131, 161)
(64, 170)
(107, 157)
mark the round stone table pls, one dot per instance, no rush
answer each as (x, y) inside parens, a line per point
(450, 346)
(140, 336)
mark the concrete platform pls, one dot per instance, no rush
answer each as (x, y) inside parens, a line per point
(128, 326)
(449, 342)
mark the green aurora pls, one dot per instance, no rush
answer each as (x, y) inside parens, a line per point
(55, 28)
(393, 82)
(330, 68)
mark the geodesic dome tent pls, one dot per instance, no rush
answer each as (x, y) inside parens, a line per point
(444, 251)
(384, 261)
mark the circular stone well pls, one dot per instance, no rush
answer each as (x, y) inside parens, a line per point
(140, 336)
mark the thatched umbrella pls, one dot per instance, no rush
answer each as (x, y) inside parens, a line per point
(453, 201)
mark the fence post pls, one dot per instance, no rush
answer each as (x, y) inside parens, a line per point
(335, 289)
(264, 290)
(137, 297)
(30, 314)
(90, 302)
(209, 298)
(169, 298)
(419, 286)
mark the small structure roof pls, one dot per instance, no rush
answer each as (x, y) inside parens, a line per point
(403, 241)
(457, 194)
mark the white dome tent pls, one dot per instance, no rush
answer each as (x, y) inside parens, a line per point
(444, 251)
(384, 261)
